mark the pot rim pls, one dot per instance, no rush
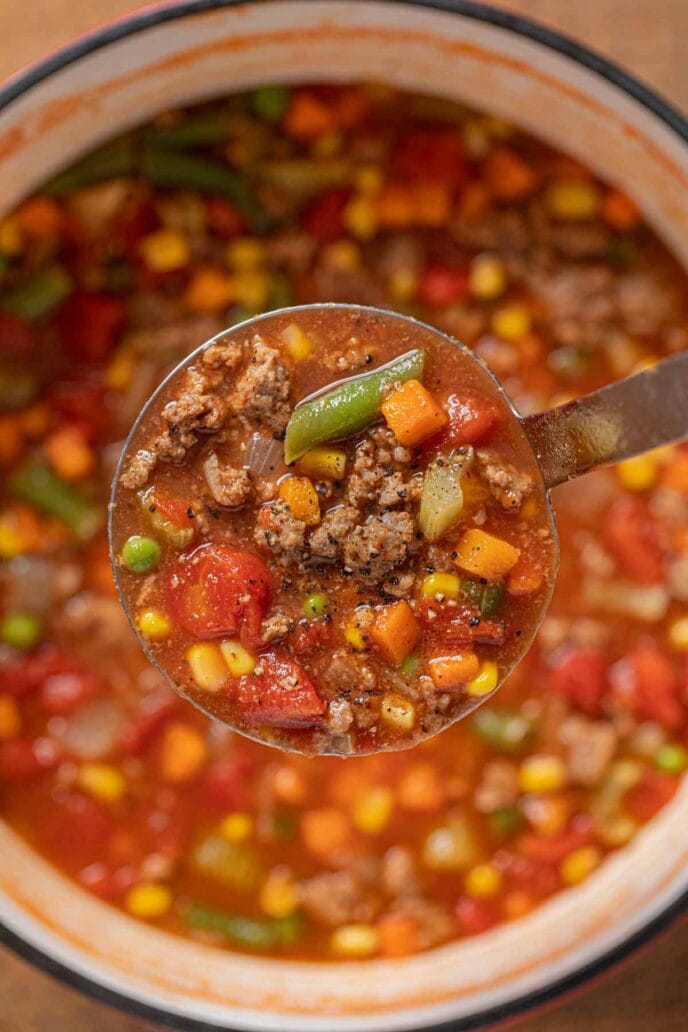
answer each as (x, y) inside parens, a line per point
(165, 11)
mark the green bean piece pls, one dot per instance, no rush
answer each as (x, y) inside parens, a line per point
(304, 177)
(347, 408)
(40, 487)
(201, 129)
(492, 597)
(505, 730)
(40, 294)
(315, 605)
(270, 102)
(17, 388)
(174, 170)
(472, 591)
(252, 933)
(410, 666)
(119, 158)
(21, 631)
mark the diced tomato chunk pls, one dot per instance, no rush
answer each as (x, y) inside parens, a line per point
(16, 337)
(88, 325)
(471, 420)
(108, 882)
(223, 218)
(647, 684)
(442, 285)
(580, 676)
(25, 675)
(63, 692)
(650, 794)
(474, 916)
(458, 625)
(132, 225)
(81, 402)
(227, 784)
(523, 872)
(322, 217)
(432, 155)
(22, 759)
(78, 831)
(216, 590)
(311, 636)
(552, 849)
(282, 696)
(144, 729)
(629, 532)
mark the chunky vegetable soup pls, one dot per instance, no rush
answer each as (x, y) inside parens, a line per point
(120, 267)
(375, 593)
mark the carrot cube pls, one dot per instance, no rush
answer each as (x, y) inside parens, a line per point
(302, 499)
(412, 414)
(449, 672)
(509, 177)
(396, 631)
(619, 211)
(485, 555)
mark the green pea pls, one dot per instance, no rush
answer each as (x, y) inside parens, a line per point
(270, 102)
(141, 554)
(410, 666)
(315, 605)
(20, 631)
(671, 758)
(506, 821)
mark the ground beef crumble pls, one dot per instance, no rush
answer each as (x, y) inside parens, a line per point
(507, 484)
(379, 545)
(229, 487)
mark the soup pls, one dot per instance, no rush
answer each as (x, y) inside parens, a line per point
(375, 593)
(355, 194)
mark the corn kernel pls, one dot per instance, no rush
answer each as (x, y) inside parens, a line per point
(236, 827)
(148, 900)
(327, 145)
(483, 881)
(209, 291)
(11, 238)
(323, 464)
(487, 277)
(511, 322)
(184, 752)
(678, 634)
(278, 897)
(444, 585)
(102, 781)
(637, 474)
(368, 179)
(10, 717)
(238, 659)
(360, 217)
(397, 711)
(542, 773)
(208, 668)
(165, 250)
(578, 865)
(354, 636)
(120, 369)
(251, 288)
(402, 284)
(486, 681)
(572, 199)
(451, 847)
(343, 255)
(354, 940)
(371, 813)
(245, 254)
(617, 831)
(298, 344)
(11, 541)
(154, 624)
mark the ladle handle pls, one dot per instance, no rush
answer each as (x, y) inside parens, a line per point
(614, 423)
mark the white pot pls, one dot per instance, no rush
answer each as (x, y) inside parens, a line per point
(178, 53)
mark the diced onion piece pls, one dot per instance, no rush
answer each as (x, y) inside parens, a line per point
(441, 501)
(238, 659)
(264, 456)
(647, 602)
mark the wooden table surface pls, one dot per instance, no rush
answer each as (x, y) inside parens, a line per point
(651, 992)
